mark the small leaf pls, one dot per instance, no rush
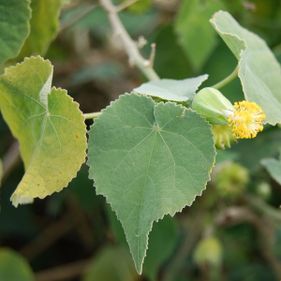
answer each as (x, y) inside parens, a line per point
(44, 26)
(170, 89)
(259, 71)
(111, 264)
(273, 167)
(14, 27)
(194, 31)
(48, 125)
(13, 267)
(149, 160)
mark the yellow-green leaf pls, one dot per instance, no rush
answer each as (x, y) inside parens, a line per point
(44, 26)
(14, 267)
(48, 125)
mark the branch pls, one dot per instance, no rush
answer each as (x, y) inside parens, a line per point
(135, 58)
(10, 160)
(49, 236)
(236, 215)
(64, 272)
(77, 18)
(125, 5)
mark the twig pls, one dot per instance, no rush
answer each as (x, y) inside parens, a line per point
(260, 206)
(10, 160)
(79, 217)
(46, 238)
(235, 215)
(64, 272)
(135, 58)
(191, 234)
(152, 54)
(77, 18)
(125, 5)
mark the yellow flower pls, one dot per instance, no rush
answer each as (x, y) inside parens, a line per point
(246, 120)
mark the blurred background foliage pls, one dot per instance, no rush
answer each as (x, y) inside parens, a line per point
(233, 232)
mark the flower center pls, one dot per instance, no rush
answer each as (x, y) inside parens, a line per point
(246, 120)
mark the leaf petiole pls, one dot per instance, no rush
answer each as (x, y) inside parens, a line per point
(227, 80)
(91, 115)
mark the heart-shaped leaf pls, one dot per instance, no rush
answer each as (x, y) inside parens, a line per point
(259, 71)
(170, 89)
(148, 159)
(48, 125)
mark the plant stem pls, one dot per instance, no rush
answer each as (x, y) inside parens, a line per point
(77, 18)
(125, 5)
(63, 272)
(227, 80)
(91, 115)
(131, 48)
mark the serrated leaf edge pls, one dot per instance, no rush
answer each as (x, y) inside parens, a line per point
(171, 213)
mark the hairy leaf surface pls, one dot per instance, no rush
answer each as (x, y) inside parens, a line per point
(259, 71)
(148, 159)
(48, 125)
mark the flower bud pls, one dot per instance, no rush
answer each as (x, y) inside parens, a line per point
(213, 105)
(208, 251)
(230, 179)
(223, 136)
(264, 190)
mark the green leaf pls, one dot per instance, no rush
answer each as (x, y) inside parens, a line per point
(44, 27)
(194, 31)
(273, 166)
(111, 264)
(48, 125)
(13, 267)
(149, 160)
(170, 53)
(259, 71)
(162, 241)
(170, 89)
(14, 27)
